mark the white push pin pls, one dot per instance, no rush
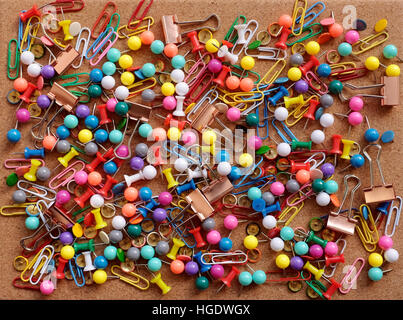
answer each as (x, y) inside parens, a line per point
(241, 29)
(179, 106)
(223, 52)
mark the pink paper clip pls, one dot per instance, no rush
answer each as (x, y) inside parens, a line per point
(62, 175)
(350, 282)
(20, 161)
(305, 195)
(191, 76)
(104, 51)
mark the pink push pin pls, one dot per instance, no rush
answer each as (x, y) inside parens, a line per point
(111, 104)
(122, 151)
(255, 142)
(230, 222)
(315, 251)
(23, 115)
(217, 271)
(277, 188)
(169, 103)
(355, 118)
(81, 177)
(352, 36)
(189, 138)
(233, 114)
(356, 103)
(47, 287)
(62, 197)
(331, 249)
(385, 242)
(165, 198)
(213, 237)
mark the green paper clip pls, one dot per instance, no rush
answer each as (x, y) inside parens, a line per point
(311, 34)
(16, 66)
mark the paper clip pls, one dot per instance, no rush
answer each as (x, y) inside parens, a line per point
(379, 193)
(333, 266)
(205, 99)
(199, 87)
(299, 111)
(241, 41)
(149, 20)
(310, 12)
(26, 38)
(135, 14)
(298, 13)
(193, 75)
(365, 44)
(301, 195)
(43, 260)
(82, 41)
(18, 209)
(341, 223)
(61, 5)
(343, 66)
(37, 187)
(347, 281)
(368, 234)
(133, 282)
(317, 287)
(75, 82)
(37, 263)
(18, 283)
(230, 36)
(76, 272)
(273, 73)
(20, 162)
(275, 53)
(288, 210)
(265, 123)
(294, 276)
(103, 15)
(349, 74)
(66, 175)
(311, 33)
(286, 130)
(397, 210)
(211, 257)
(98, 46)
(16, 66)
(143, 82)
(312, 77)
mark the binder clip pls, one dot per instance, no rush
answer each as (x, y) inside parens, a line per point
(199, 204)
(62, 97)
(390, 91)
(65, 59)
(344, 223)
(379, 193)
(217, 189)
(172, 30)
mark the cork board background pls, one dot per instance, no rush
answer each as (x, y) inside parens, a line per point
(183, 287)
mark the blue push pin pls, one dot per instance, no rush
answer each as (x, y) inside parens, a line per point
(203, 267)
(371, 135)
(388, 136)
(186, 187)
(119, 188)
(28, 153)
(148, 207)
(270, 209)
(235, 174)
(319, 112)
(283, 92)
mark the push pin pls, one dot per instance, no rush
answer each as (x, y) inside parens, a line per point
(177, 243)
(88, 261)
(161, 284)
(31, 174)
(228, 279)
(179, 106)
(65, 24)
(68, 157)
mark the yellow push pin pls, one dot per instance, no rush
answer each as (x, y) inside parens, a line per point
(99, 222)
(31, 174)
(161, 284)
(174, 250)
(381, 25)
(170, 178)
(316, 272)
(347, 144)
(65, 24)
(67, 157)
(288, 102)
(207, 149)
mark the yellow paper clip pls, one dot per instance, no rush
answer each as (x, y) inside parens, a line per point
(294, 210)
(20, 209)
(272, 73)
(298, 13)
(298, 112)
(365, 44)
(368, 233)
(27, 31)
(139, 83)
(39, 265)
(342, 66)
(133, 282)
(122, 34)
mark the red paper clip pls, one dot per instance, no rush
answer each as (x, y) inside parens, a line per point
(135, 13)
(63, 4)
(103, 15)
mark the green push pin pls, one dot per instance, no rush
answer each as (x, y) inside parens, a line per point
(121, 255)
(313, 238)
(262, 150)
(12, 179)
(301, 145)
(85, 246)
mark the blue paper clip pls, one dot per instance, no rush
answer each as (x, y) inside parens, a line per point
(286, 130)
(20, 32)
(259, 183)
(101, 40)
(309, 12)
(249, 173)
(76, 272)
(265, 120)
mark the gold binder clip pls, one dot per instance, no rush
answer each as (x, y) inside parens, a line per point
(379, 193)
(344, 223)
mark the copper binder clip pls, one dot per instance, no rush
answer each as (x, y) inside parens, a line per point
(342, 223)
(204, 117)
(217, 189)
(199, 204)
(62, 97)
(390, 91)
(65, 59)
(59, 217)
(172, 30)
(379, 193)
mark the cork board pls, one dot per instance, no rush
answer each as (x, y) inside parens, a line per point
(183, 287)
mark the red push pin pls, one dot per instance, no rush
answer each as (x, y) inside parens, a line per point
(228, 279)
(273, 233)
(332, 289)
(198, 237)
(197, 47)
(221, 76)
(118, 162)
(84, 197)
(296, 166)
(26, 96)
(335, 259)
(313, 62)
(107, 186)
(310, 114)
(336, 149)
(109, 154)
(60, 268)
(95, 163)
(103, 114)
(283, 38)
(24, 16)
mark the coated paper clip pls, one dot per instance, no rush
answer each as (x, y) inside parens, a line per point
(294, 276)
(298, 13)
(98, 45)
(10, 66)
(347, 283)
(379, 193)
(66, 175)
(368, 233)
(103, 15)
(133, 282)
(38, 265)
(43, 260)
(311, 33)
(76, 272)
(274, 54)
(240, 257)
(43, 195)
(61, 5)
(82, 41)
(286, 130)
(20, 209)
(341, 223)
(33, 245)
(397, 210)
(134, 16)
(311, 12)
